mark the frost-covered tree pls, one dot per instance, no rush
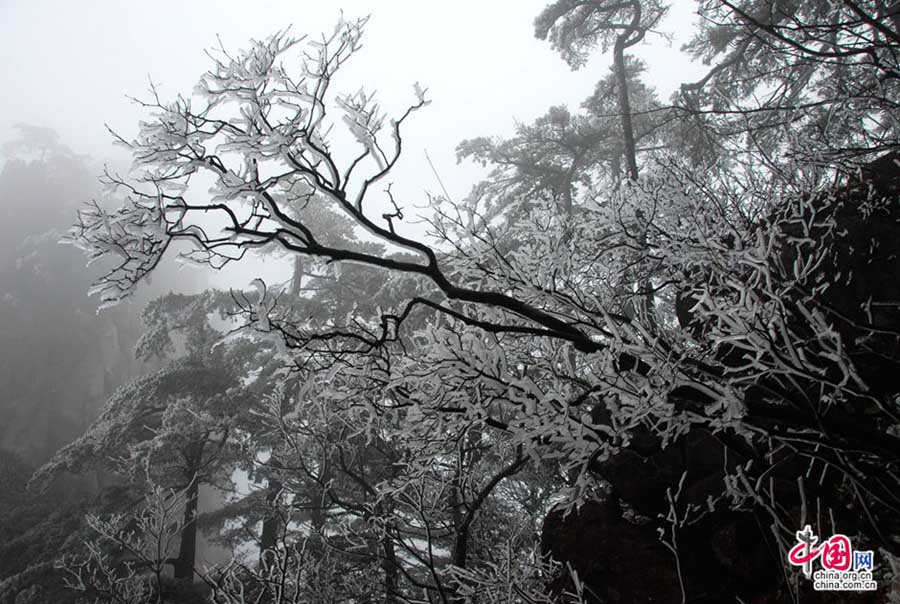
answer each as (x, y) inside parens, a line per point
(575, 27)
(745, 388)
(125, 557)
(562, 154)
(364, 484)
(812, 81)
(176, 428)
(59, 360)
(549, 159)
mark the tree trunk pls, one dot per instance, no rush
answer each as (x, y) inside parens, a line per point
(389, 565)
(460, 532)
(271, 521)
(630, 151)
(625, 107)
(187, 551)
(297, 277)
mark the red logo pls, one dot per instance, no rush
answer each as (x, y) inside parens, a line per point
(834, 554)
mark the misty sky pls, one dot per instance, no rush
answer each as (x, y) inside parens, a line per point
(70, 64)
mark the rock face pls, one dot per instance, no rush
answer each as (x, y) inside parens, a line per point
(614, 545)
(621, 558)
(855, 232)
(618, 561)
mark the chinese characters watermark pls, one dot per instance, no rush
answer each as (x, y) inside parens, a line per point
(843, 569)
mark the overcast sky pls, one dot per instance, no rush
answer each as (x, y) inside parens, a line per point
(69, 65)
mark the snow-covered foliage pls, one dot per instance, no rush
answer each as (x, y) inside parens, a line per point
(565, 321)
(260, 130)
(144, 544)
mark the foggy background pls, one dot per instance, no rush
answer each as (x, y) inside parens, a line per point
(69, 66)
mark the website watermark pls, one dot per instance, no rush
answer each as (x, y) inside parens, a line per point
(842, 567)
